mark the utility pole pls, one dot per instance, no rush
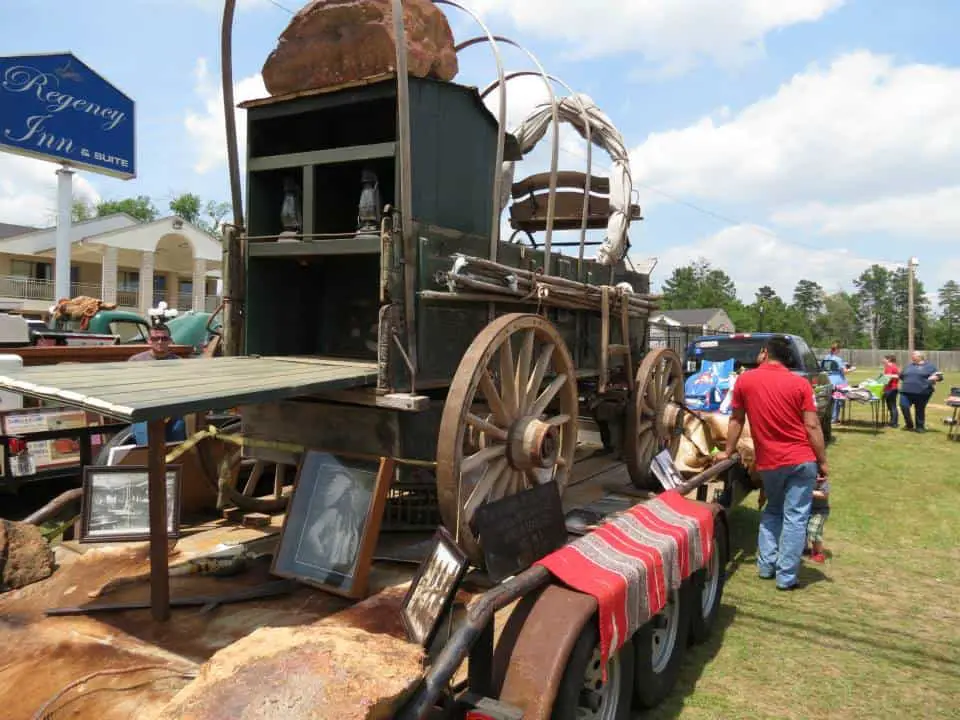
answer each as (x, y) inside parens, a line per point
(911, 269)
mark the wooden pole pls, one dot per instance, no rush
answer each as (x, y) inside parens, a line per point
(157, 495)
(911, 346)
(233, 291)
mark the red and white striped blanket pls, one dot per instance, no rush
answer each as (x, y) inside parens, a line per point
(632, 562)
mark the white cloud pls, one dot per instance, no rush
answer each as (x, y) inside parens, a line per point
(934, 215)
(861, 129)
(673, 34)
(753, 256)
(207, 128)
(28, 191)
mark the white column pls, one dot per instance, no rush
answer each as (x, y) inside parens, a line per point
(108, 275)
(146, 282)
(61, 273)
(199, 284)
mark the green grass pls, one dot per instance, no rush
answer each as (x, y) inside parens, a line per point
(875, 631)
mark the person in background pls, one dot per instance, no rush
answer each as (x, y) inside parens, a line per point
(891, 389)
(789, 450)
(834, 357)
(819, 512)
(918, 380)
(159, 350)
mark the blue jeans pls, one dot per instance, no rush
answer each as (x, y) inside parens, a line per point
(837, 408)
(176, 431)
(783, 525)
(919, 402)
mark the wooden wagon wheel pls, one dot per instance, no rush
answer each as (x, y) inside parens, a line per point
(655, 417)
(502, 431)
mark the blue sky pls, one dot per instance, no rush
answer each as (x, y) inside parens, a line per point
(791, 140)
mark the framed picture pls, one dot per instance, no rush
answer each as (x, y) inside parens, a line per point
(666, 471)
(433, 588)
(116, 507)
(331, 526)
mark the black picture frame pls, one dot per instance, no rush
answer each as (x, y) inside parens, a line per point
(433, 588)
(331, 526)
(115, 505)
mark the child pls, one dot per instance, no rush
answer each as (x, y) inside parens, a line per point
(818, 517)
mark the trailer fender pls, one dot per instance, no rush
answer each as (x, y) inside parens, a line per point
(535, 646)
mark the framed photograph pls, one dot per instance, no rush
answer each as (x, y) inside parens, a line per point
(330, 530)
(666, 471)
(116, 507)
(433, 588)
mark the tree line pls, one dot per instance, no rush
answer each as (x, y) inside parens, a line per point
(206, 215)
(874, 315)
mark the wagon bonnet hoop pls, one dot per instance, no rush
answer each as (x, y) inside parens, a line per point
(600, 131)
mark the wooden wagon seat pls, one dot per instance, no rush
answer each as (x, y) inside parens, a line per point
(529, 209)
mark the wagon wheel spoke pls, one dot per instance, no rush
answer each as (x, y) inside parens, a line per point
(523, 369)
(539, 371)
(540, 406)
(483, 491)
(508, 387)
(489, 391)
(481, 457)
(488, 428)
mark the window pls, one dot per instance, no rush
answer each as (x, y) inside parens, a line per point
(809, 359)
(31, 269)
(128, 280)
(130, 332)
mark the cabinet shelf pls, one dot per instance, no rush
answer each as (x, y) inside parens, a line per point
(333, 246)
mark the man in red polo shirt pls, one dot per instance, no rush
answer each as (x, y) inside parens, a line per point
(789, 448)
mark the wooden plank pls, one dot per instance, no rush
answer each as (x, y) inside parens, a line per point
(565, 178)
(351, 153)
(568, 208)
(308, 248)
(157, 503)
(179, 390)
(36, 355)
(323, 425)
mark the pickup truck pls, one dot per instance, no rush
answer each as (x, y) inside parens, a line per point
(744, 348)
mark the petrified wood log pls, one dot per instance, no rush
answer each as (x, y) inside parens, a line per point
(350, 666)
(25, 557)
(332, 42)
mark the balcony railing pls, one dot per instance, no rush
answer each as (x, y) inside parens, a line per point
(25, 288)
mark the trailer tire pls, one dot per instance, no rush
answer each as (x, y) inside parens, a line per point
(583, 669)
(659, 651)
(708, 585)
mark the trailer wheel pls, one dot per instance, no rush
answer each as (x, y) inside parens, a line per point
(547, 662)
(708, 585)
(655, 417)
(659, 648)
(583, 693)
(509, 421)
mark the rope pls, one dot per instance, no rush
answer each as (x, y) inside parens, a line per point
(215, 433)
(44, 713)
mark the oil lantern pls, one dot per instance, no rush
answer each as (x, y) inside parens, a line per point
(291, 218)
(368, 214)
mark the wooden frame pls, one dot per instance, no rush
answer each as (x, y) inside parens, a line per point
(130, 477)
(433, 588)
(328, 487)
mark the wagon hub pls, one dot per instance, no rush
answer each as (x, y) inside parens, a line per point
(533, 444)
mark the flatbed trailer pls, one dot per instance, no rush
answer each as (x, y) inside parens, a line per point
(469, 367)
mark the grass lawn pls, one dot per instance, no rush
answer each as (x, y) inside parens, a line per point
(875, 631)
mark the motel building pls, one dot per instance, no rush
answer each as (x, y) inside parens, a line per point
(115, 258)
